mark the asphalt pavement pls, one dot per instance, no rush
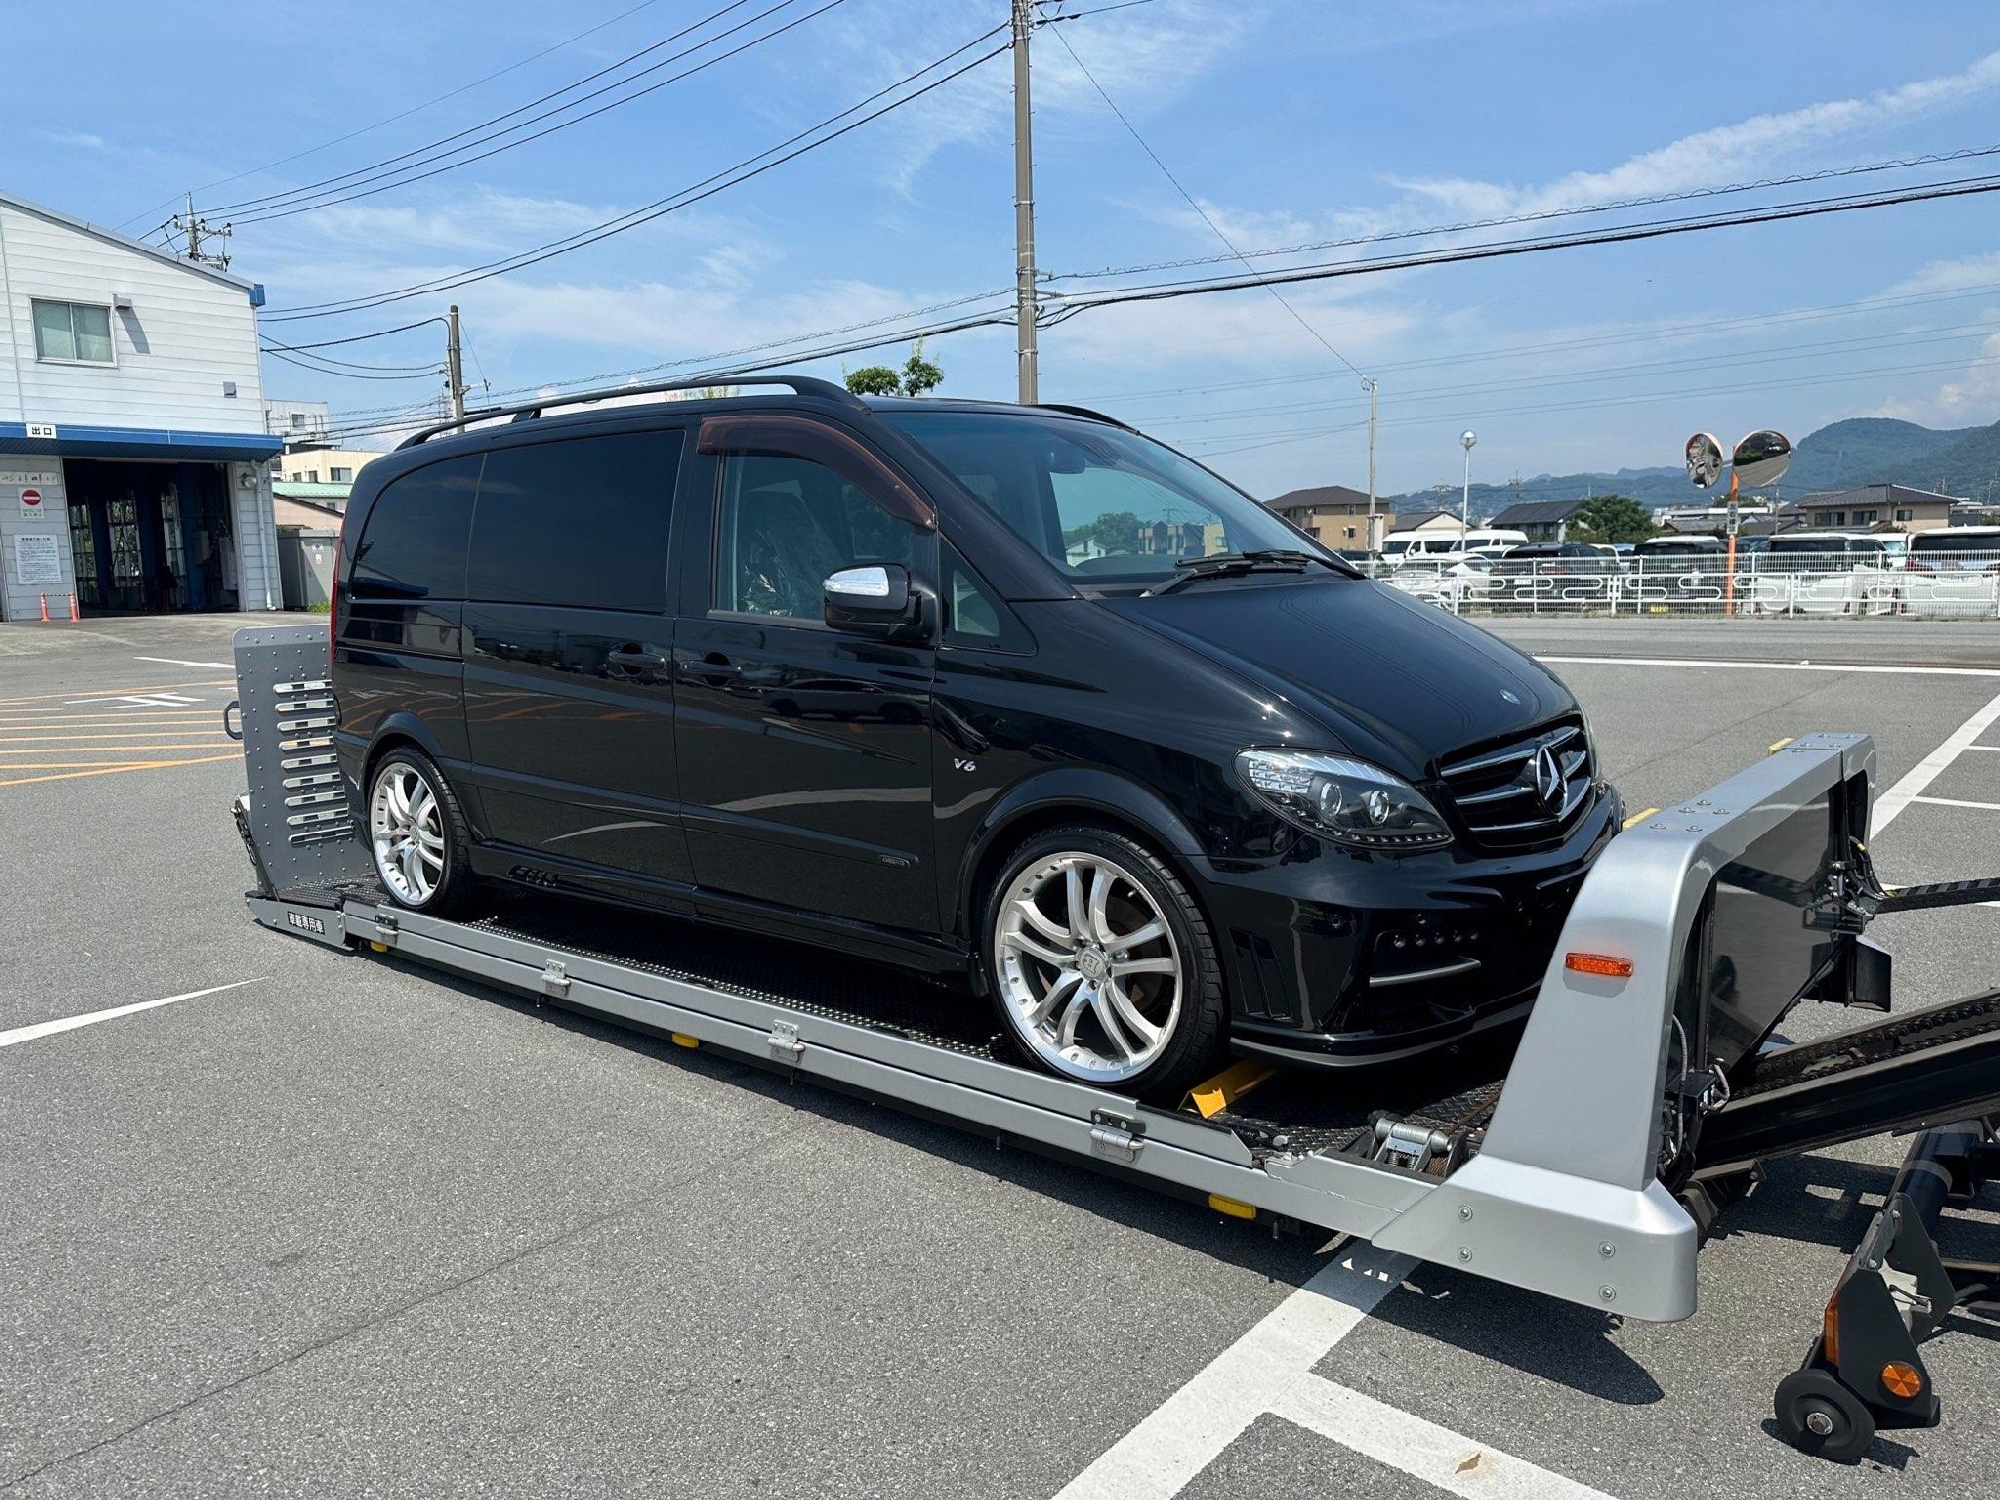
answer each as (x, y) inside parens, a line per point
(350, 1227)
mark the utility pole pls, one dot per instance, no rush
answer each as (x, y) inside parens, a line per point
(1027, 354)
(1374, 522)
(454, 375)
(196, 229)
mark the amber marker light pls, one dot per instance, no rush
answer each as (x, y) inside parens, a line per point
(1598, 963)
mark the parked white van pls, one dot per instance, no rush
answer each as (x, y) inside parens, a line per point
(1399, 547)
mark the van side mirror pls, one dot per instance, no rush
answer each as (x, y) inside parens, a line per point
(875, 599)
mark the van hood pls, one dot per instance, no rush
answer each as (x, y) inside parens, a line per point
(1391, 679)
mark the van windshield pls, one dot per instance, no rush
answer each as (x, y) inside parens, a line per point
(1104, 505)
(1401, 544)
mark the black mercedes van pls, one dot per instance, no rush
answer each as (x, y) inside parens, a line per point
(1013, 693)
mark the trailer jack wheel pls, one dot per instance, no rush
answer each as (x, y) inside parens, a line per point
(1818, 1415)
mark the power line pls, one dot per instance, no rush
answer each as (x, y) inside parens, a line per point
(1961, 188)
(311, 187)
(371, 185)
(1639, 398)
(721, 373)
(343, 374)
(1192, 203)
(1651, 334)
(1537, 216)
(401, 115)
(1816, 350)
(327, 359)
(357, 338)
(708, 187)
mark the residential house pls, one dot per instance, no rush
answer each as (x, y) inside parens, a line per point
(1877, 507)
(1334, 515)
(1538, 520)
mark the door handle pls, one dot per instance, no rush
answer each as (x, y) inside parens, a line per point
(716, 668)
(635, 659)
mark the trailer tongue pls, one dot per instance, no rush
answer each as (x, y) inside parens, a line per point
(1644, 1092)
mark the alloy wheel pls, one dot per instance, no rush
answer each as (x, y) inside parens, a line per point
(406, 826)
(1088, 969)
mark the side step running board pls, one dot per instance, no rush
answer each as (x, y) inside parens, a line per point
(1925, 1067)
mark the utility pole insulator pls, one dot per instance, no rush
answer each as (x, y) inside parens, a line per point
(196, 229)
(1026, 314)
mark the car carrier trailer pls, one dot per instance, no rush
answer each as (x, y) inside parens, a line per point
(1589, 1166)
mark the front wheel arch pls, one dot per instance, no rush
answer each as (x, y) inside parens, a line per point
(1072, 795)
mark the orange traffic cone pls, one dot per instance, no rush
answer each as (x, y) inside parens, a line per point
(75, 615)
(45, 609)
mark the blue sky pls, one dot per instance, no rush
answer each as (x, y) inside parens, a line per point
(1289, 121)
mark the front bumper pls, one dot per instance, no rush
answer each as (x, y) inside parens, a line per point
(1343, 960)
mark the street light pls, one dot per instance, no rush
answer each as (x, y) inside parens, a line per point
(1465, 440)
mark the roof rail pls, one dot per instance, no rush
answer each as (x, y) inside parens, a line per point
(805, 385)
(1084, 411)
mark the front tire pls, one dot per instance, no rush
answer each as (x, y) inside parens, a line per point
(1103, 967)
(417, 834)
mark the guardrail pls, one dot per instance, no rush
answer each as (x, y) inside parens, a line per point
(1937, 586)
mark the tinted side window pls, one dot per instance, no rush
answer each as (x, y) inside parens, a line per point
(784, 524)
(413, 546)
(581, 522)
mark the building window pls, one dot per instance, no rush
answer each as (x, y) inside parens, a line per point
(77, 331)
(1867, 517)
(341, 476)
(312, 476)
(1906, 514)
(298, 421)
(1835, 518)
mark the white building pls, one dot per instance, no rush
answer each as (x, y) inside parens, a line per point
(133, 455)
(297, 421)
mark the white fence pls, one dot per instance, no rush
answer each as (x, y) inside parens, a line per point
(1934, 586)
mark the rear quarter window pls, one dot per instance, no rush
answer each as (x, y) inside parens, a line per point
(413, 543)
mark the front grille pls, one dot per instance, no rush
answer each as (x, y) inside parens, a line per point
(1509, 796)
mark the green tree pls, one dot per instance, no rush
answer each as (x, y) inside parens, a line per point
(1611, 518)
(918, 377)
(874, 380)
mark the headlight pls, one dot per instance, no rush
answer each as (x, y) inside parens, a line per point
(1348, 801)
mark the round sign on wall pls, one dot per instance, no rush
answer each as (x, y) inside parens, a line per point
(31, 497)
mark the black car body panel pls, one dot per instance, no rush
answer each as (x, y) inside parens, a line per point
(762, 768)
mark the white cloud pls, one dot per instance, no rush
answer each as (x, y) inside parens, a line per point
(81, 139)
(1971, 400)
(1747, 148)
(1967, 273)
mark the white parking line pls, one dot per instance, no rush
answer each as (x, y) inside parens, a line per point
(71, 1023)
(1958, 802)
(1434, 1454)
(169, 661)
(1932, 766)
(1771, 666)
(1188, 1431)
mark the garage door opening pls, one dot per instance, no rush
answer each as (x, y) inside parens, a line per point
(151, 538)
